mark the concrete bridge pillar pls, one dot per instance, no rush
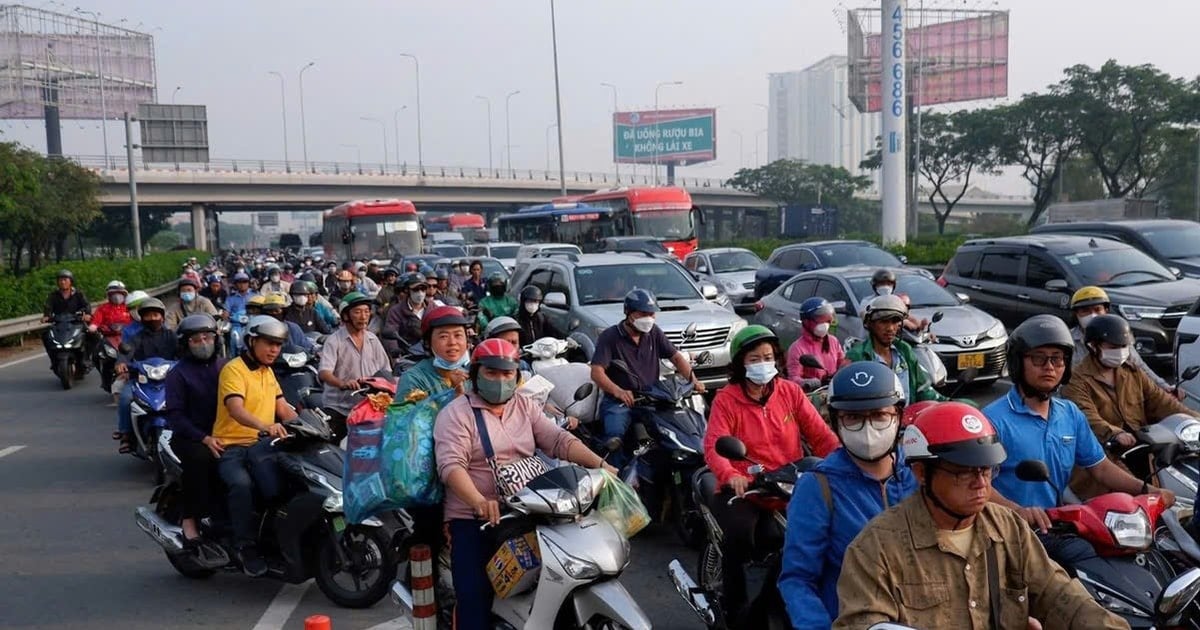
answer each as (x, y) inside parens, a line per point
(199, 227)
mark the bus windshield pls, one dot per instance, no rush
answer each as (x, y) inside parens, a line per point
(384, 237)
(670, 225)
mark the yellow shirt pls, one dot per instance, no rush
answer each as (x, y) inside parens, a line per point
(258, 390)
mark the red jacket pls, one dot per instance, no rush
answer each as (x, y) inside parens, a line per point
(772, 432)
(107, 315)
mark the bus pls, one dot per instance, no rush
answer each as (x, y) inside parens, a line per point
(470, 225)
(371, 229)
(579, 224)
(665, 213)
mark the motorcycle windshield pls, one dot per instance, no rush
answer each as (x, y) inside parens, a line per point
(670, 389)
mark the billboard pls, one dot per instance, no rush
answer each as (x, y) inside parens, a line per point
(173, 134)
(675, 136)
(953, 55)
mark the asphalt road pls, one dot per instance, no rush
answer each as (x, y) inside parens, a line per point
(71, 556)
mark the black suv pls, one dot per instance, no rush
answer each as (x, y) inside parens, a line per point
(1172, 242)
(1017, 277)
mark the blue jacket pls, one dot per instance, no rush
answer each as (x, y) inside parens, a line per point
(192, 398)
(296, 336)
(130, 331)
(236, 302)
(816, 542)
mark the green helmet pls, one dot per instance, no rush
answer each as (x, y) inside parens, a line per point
(748, 336)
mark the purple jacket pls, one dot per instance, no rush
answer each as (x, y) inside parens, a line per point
(192, 398)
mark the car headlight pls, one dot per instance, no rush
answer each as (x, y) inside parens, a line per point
(577, 568)
(730, 286)
(737, 326)
(997, 331)
(1134, 312)
(1131, 531)
(295, 359)
(158, 372)
(722, 300)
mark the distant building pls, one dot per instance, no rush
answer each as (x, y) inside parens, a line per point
(811, 118)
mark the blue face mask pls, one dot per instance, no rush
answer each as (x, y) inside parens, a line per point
(187, 296)
(442, 364)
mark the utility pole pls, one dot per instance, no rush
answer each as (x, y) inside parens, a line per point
(134, 215)
(562, 173)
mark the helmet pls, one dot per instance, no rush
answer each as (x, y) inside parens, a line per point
(815, 307)
(531, 294)
(352, 299)
(198, 323)
(883, 276)
(640, 301)
(272, 268)
(390, 271)
(497, 354)
(345, 275)
(298, 288)
(274, 303)
(500, 325)
(431, 275)
(287, 266)
(257, 300)
(955, 432)
(189, 281)
(241, 277)
(1108, 328)
(865, 385)
(213, 279)
(116, 286)
(136, 298)
(747, 337)
(65, 273)
(1089, 296)
(886, 307)
(411, 279)
(443, 274)
(425, 270)
(440, 316)
(151, 304)
(497, 279)
(1035, 332)
(267, 327)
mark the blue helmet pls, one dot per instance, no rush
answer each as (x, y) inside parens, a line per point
(641, 301)
(241, 277)
(865, 385)
(815, 307)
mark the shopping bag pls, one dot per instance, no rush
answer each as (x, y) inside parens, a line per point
(363, 491)
(619, 504)
(409, 470)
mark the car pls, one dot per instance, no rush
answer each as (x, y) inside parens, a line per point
(532, 249)
(731, 269)
(789, 260)
(647, 244)
(419, 260)
(504, 252)
(1187, 354)
(967, 337)
(317, 253)
(584, 294)
(1174, 243)
(1016, 277)
(449, 250)
(443, 238)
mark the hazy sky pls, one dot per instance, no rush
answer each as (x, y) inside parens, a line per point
(220, 52)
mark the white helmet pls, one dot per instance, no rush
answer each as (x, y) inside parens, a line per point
(136, 297)
(268, 327)
(116, 286)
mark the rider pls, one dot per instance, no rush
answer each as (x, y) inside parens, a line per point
(883, 282)
(530, 316)
(190, 303)
(274, 306)
(303, 310)
(388, 291)
(497, 303)
(931, 561)
(153, 340)
(883, 344)
(111, 317)
(241, 293)
(132, 302)
(404, 318)
(342, 286)
(66, 299)
(274, 283)
(251, 402)
(351, 353)
(833, 501)
(816, 317)
(640, 344)
(444, 334)
(778, 425)
(1088, 303)
(215, 291)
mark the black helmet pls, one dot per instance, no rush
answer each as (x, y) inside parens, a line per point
(198, 323)
(497, 279)
(152, 304)
(302, 287)
(65, 273)
(883, 276)
(531, 294)
(865, 385)
(390, 271)
(1108, 328)
(412, 279)
(1035, 332)
(640, 301)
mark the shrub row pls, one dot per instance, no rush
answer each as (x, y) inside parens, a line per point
(931, 250)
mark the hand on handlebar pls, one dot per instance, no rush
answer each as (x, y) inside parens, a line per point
(1036, 517)
(487, 509)
(739, 484)
(352, 384)
(1125, 439)
(121, 369)
(276, 430)
(1168, 497)
(625, 396)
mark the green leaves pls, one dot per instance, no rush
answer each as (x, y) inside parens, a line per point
(798, 182)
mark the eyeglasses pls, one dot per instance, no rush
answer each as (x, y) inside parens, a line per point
(202, 337)
(879, 420)
(1040, 360)
(964, 476)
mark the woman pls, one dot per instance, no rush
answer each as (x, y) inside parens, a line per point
(530, 316)
(444, 333)
(513, 427)
(774, 419)
(816, 318)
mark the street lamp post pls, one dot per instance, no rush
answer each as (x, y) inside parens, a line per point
(616, 162)
(396, 126)
(420, 150)
(767, 111)
(283, 109)
(383, 133)
(508, 130)
(562, 168)
(303, 124)
(100, 79)
(487, 101)
(175, 93)
(548, 128)
(657, 131)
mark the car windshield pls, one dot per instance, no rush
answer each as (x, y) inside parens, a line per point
(654, 247)
(505, 251)
(921, 291)
(491, 265)
(450, 251)
(727, 262)
(856, 254)
(608, 284)
(1120, 267)
(1177, 241)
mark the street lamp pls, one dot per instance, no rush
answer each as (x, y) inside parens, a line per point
(100, 79)
(614, 127)
(283, 108)
(487, 101)
(549, 128)
(303, 124)
(175, 93)
(420, 151)
(657, 139)
(562, 167)
(383, 132)
(396, 126)
(508, 130)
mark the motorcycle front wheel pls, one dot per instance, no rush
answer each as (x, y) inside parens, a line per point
(62, 367)
(368, 573)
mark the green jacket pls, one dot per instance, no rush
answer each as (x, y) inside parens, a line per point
(492, 307)
(422, 376)
(918, 380)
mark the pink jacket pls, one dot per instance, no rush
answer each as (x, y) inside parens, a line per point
(828, 349)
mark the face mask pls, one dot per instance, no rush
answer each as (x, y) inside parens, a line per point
(187, 296)
(300, 300)
(416, 297)
(532, 307)
(442, 364)
(274, 277)
(116, 298)
(821, 330)
(362, 274)
(1114, 357)
(496, 392)
(496, 291)
(761, 373)
(345, 286)
(154, 325)
(1083, 321)
(885, 289)
(869, 444)
(643, 324)
(204, 351)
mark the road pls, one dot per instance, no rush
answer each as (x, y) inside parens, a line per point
(71, 556)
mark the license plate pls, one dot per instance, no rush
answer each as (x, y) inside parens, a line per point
(971, 360)
(339, 524)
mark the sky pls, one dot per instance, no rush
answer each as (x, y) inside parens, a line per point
(219, 52)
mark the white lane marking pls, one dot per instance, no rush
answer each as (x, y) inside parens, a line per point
(282, 606)
(23, 360)
(399, 623)
(10, 450)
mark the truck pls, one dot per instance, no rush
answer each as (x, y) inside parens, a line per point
(800, 221)
(1101, 210)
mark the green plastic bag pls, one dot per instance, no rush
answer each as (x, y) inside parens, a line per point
(619, 504)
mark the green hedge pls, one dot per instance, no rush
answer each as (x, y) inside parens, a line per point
(921, 251)
(26, 295)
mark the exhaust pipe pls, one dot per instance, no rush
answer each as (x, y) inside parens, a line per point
(695, 596)
(168, 536)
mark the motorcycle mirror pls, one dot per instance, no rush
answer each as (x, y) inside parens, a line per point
(937, 317)
(1033, 470)
(1190, 373)
(641, 434)
(584, 391)
(731, 448)
(808, 360)
(690, 331)
(1167, 454)
(1179, 593)
(808, 463)
(125, 347)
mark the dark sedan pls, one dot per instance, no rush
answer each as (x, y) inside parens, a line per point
(790, 260)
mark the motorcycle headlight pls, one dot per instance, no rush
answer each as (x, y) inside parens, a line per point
(295, 359)
(786, 487)
(110, 351)
(577, 568)
(1134, 312)
(1189, 433)
(1131, 531)
(158, 372)
(333, 503)
(997, 331)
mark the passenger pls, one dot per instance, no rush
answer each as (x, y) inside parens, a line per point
(303, 311)
(274, 283)
(190, 303)
(274, 306)
(251, 402)
(214, 290)
(445, 293)
(404, 318)
(531, 318)
(110, 319)
(816, 318)
(132, 302)
(883, 282)
(365, 284)
(497, 303)
(388, 291)
(153, 340)
(343, 286)
(465, 465)
(459, 272)
(883, 344)
(444, 334)
(349, 355)
(1088, 303)
(236, 302)
(778, 425)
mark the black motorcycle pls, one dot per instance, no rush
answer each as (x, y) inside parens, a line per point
(106, 355)
(296, 371)
(65, 339)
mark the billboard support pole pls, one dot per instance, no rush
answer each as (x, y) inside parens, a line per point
(134, 215)
(894, 112)
(562, 168)
(670, 173)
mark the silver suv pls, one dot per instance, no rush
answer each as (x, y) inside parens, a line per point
(585, 294)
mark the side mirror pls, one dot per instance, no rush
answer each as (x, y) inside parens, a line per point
(808, 360)
(1167, 454)
(808, 266)
(699, 214)
(1190, 373)
(840, 307)
(1057, 285)
(584, 391)
(690, 331)
(704, 358)
(701, 268)
(1033, 470)
(937, 317)
(903, 259)
(556, 299)
(1179, 593)
(731, 448)
(709, 290)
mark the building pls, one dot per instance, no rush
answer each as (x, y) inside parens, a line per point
(811, 118)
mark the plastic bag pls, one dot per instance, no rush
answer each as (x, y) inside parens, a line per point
(363, 491)
(409, 471)
(619, 504)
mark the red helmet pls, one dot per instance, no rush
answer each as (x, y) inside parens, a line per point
(911, 411)
(954, 432)
(497, 354)
(443, 316)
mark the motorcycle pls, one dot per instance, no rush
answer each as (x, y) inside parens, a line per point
(237, 330)
(296, 371)
(65, 338)
(148, 406)
(107, 353)
(771, 491)
(929, 361)
(303, 535)
(1174, 446)
(1128, 574)
(547, 358)
(582, 557)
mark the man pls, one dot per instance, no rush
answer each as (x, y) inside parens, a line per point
(190, 303)
(640, 344)
(928, 562)
(885, 315)
(1088, 303)
(288, 276)
(365, 284)
(236, 302)
(329, 278)
(404, 318)
(497, 303)
(215, 291)
(883, 282)
(445, 293)
(342, 287)
(273, 306)
(65, 300)
(250, 403)
(459, 273)
(303, 310)
(274, 284)
(533, 321)
(153, 340)
(474, 286)
(351, 353)
(387, 291)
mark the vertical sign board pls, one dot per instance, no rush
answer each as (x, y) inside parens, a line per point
(173, 134)
(678, 136)
(895, 109)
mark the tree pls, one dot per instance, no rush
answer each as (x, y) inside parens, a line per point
(1040, 139)
(796, 182)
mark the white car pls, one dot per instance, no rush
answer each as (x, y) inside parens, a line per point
(506, 253)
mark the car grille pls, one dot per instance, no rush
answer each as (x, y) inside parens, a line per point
(711, 373)
(705, 338)
(1170, 319)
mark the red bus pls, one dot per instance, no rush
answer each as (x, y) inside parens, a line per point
(665, 213)
(372, 229)
(466, 223)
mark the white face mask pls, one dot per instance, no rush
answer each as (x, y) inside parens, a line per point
(300, 300)
(117, 298)
(869, 444)
(416, 297)
(643, 324)
(1114, 357)
(761, 373)
(532, 307)
(821, 330)
(884, 289)
(1084, 320)
(274, 277)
